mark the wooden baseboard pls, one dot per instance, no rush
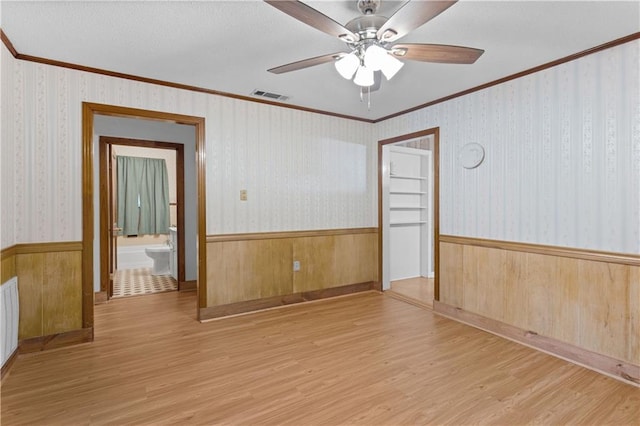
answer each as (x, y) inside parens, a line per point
(408, 299)
(621, 370)
(188, 285)
(7, 365)
(272, 302)
(54, 341)
(337, 291)
(100, 297)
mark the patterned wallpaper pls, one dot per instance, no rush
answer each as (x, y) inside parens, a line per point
(8, 122)
(301, 170)
(562, 164)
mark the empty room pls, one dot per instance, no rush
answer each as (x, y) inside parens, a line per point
(347, 212)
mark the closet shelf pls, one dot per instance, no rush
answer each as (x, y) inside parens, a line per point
(421, 222)
(408, 177)
(407, 192)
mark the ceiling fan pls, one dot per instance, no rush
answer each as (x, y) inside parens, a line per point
(371, 39)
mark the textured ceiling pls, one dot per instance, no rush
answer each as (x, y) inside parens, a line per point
(227, 46)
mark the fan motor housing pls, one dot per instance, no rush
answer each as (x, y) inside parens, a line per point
(368, 7)
(366, 26)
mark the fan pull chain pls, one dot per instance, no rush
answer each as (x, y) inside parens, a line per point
(368, 96)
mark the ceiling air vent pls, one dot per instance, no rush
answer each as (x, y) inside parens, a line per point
(269, 95)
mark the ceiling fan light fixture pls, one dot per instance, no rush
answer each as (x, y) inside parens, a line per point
(374, 57)
(390, 66)
(370, 38)
(347, 65)
(364, 77)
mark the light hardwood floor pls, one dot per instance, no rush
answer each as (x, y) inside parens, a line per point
(418, 291)
(362, 359)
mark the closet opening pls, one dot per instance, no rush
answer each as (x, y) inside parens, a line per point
(408, 216)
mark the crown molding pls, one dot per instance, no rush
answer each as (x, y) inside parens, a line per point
(69, 65)
(608, 45)
(37, 59)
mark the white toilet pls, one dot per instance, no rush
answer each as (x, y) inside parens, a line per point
(160, 256)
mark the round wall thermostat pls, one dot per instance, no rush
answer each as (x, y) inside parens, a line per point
(471, 155)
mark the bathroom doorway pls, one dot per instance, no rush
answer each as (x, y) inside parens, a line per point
(133, 262)
(408, 216)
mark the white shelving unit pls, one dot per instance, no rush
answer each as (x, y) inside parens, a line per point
(407, 213)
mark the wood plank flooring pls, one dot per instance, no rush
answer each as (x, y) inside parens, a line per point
(364, 359)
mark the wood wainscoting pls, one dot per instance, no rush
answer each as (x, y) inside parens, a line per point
(7, 264)
(50, 287)
(583, 298)
(50, 295)
(247, 272)
(7, 271)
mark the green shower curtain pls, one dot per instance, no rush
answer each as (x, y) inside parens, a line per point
(143, 196)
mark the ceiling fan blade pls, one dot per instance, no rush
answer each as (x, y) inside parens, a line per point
(410, 16)
(306, 63)
(440, 53)
(314, 18)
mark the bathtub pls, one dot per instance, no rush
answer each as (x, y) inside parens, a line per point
(134, 257)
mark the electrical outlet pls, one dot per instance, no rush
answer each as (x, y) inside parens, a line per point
(296, 266)
(243, 195)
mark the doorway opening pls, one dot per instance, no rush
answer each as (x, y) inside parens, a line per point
(91, 258)
(408, 216)
(133, 262)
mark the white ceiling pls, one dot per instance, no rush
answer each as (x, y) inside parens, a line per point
(229, 45)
